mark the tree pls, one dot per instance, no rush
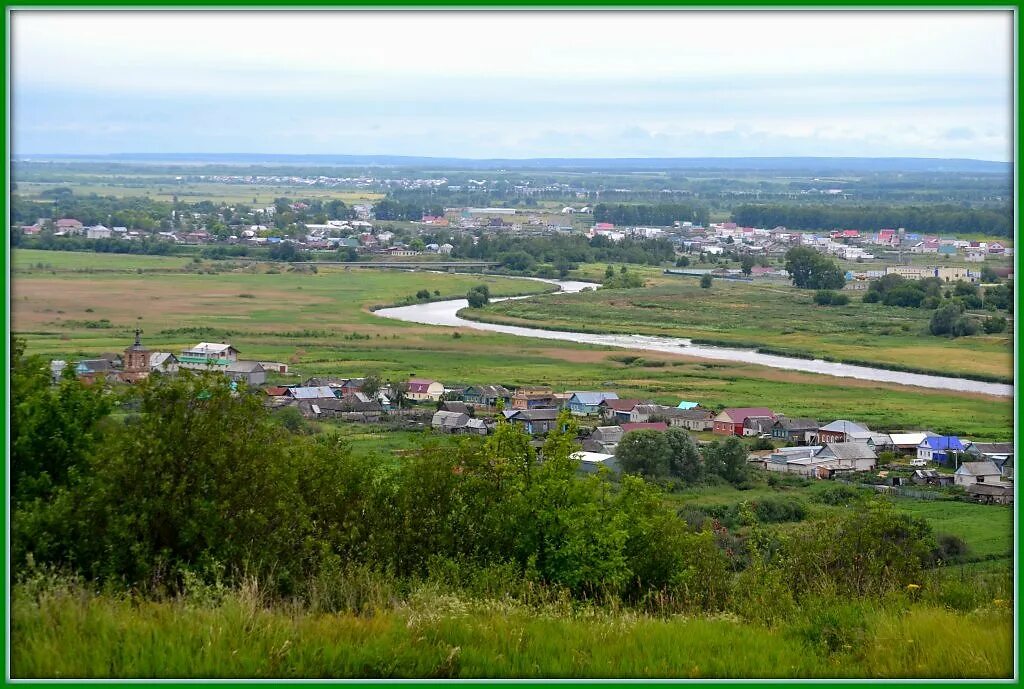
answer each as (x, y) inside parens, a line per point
(54, 429)
(728, 459)
(988, 275)
(684, 456)
(994, 324)
(478, 296)
(945, 317)
(200, 477)
(682, 262)
(423, 294)
(372, 384)
(644, 452)
(810, 270)
(747, 264)
(705, 281)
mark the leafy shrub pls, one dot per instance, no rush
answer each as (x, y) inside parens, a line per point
(994, 324)
(839, 495)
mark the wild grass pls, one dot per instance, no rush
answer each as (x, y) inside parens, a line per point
(63, 630)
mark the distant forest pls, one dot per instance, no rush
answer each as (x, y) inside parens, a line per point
(944, 219)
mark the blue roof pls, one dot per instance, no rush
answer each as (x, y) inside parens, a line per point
(944, 442)
(687, 405)
(593, 398)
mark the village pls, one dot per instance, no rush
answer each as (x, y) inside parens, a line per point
(373, 232)
(804, 447)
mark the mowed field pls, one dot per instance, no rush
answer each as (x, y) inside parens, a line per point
(764, 314)
(321, 324)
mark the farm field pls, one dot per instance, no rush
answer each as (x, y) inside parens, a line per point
(161, 190)
(321, 324)
(760, 314)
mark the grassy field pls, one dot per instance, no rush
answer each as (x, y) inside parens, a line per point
(763, 314)
(321, 324)
(199, 191)
(70, 633)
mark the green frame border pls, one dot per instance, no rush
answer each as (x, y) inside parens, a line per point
(465, 5)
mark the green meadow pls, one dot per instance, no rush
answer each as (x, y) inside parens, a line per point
(768, 315)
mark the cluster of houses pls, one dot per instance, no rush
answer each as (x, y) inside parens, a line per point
(138, 362)
(809, 449)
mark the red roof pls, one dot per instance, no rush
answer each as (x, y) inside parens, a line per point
(604, 226)
(620, 405)
(650, 426)
(276, 391)
(741, 414)
(420, 385)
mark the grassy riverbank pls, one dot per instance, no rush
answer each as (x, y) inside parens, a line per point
(775, 317)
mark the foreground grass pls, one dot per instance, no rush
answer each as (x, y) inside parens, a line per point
(71, 633)
(321, 324)
(763, 314)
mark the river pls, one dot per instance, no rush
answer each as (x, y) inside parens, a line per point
(446, 313)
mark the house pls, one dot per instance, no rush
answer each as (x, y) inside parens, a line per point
(533, 398)
(66, 226)
(274, 366)
(603, 439)
(906, 443)
(879, 442)
(97, 232)
(455, 406)
(320, 408)
(423, 390)
(931, 477)
(163, 362)
(487, 395)
(797, 431)
(276, 391)
(206, 354)
(1000, 454)
(989, 493)
(249, 372)
(591, 462)
(535, 421)
(350, 386)
(449, 421)
(691, 419)
(730, 421)
(840, 431)
(586, 403)
(782, 459)
(618, 410)
(90, 371)
(312, 393)
(976, 472)
(848, 456)
(687, 405)
(660, 426)
(940, 448)
(754, 426)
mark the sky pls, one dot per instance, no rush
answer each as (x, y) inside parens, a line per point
(488, 84)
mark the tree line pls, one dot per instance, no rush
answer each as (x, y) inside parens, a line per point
(660, 214)
(937, 219)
